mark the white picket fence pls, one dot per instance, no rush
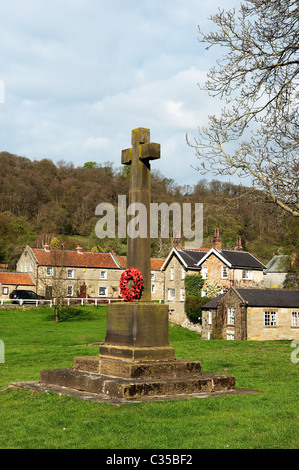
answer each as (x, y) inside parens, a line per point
(66, 300)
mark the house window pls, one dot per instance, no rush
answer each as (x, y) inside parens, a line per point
(103, 291)
(223, 291)
(270, 318)
(49, 272)
(171, 293)
(295, 319)
(210, 317)
(183, 273)
(182, 295)
(70, 273)
(103, 274)
(152, 276)
(204, 272)
(30, 268)
(5, 290)
(224, 272)
(153, 288)
(26, 268)
(171, 274)
(231, 315)
(204, 293)
(70, 291)
(230, 336)
(246, 275)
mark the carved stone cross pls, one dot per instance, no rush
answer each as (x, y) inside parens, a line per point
(139, 156)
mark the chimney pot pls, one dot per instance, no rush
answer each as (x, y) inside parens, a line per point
(217, 240)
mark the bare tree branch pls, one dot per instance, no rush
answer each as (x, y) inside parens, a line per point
(256, 134)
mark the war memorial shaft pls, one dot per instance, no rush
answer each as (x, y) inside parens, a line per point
(138, 157)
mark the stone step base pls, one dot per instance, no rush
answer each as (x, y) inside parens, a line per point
(130, 389)
(137, 370)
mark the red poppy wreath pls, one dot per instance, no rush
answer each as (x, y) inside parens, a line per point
(135, 292)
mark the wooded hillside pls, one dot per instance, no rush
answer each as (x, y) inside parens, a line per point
(41, 200)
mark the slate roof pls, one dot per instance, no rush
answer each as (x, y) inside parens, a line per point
(69, 258)
(270, 297)
(213, 302)
(241, 259)
(192, 257)
(16, 279)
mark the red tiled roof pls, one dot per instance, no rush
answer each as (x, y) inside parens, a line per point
(156, 263)
(16, 279)
(68, 258)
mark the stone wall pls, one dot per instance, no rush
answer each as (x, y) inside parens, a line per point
(282, 331)
(174, 279)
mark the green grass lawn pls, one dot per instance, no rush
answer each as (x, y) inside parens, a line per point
(32, 420)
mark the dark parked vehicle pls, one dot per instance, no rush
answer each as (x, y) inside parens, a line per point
(24, 297)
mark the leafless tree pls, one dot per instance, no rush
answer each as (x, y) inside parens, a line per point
(256, 133)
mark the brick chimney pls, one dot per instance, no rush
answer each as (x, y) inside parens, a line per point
(79, 249)
(177, 241)
(216, 240)
(238, 246)
(46, 247)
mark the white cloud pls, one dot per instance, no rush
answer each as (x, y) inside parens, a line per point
(79, 75)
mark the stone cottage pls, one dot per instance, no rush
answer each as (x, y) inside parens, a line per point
(74, 273)
(220, 270)
(10, 281)
(253, 314)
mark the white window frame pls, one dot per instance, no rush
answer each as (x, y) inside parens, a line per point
(70, 291)
(70, 273)
(152, 275)
(210, 317)
(204, 272)
(106, 291)
(295, 319)
(230, 336)
(247, 275)
(49, 271)
(153, 288)
(224, 272)
(171, 294)
(270, 318)
(204, 292)
(103, 274)
(231, 312)
(182, 295)
(183, 273)
(5, 290)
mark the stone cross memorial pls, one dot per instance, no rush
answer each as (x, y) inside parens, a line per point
(135, 361)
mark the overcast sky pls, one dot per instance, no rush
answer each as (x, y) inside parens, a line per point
(79, 75)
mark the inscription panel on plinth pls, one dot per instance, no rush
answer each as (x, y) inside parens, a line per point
(119, 325)
(142, 324)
